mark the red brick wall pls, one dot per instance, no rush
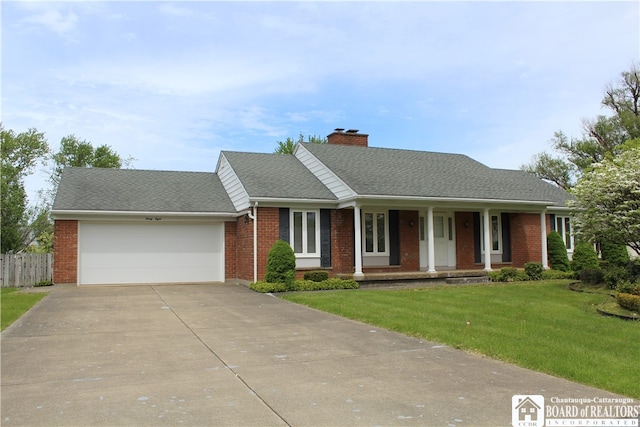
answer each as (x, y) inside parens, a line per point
(348, 138)
(342, 235)
(409, 241)
(526, 242)
(230, 250)
(243, 250)
(465, 256)
(268, 234)
(65, 251)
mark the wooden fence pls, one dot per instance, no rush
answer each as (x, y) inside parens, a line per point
(18, 270)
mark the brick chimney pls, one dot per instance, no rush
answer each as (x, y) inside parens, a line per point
(350, 137)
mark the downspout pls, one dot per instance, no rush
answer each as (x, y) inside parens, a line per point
(254, 217)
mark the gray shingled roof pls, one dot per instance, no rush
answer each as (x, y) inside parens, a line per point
(279, 176)
(95, 189)
(392, 172)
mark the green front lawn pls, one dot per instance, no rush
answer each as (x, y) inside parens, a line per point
(14, 304)
(537, 325)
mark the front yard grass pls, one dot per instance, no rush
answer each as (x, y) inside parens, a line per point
(14, 304)
(537, 325)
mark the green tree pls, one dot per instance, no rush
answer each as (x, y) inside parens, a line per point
(607, 200)
(557, 252)
(81, 153)
(601, 137)
(20, 154)
(584, 257)
(288, 145)
(614, 253)
(281, 264)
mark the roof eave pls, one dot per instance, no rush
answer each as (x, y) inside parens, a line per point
(74, 213)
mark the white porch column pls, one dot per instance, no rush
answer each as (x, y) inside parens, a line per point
(357, 242)
(543, 232)
(487, 240)
(431, 241)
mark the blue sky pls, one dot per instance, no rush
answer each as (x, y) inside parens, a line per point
(173, 83)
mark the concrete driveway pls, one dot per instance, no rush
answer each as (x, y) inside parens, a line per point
(224, 355)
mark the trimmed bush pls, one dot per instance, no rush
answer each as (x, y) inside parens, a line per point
(508, 274)
(281, 264)
(265, 287)
(614, 253)
(305, 285)
(629, 288)
(629, 301)
(316, 275)
(613, 274)
(329, 284)
(557, 252)
(584, 256)
(591, 276)
(533, 270)
(557, 274)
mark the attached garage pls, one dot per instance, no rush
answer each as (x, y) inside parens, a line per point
(113, 253)
(117, 226)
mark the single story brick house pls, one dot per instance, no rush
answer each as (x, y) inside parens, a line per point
(342, 206)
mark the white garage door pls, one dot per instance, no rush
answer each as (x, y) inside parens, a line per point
(116, 253)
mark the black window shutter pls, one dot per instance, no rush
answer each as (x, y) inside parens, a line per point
(553, 222)
(506, 238)
(394, 237)
(325, 237)
(477, 247)
(284, 224)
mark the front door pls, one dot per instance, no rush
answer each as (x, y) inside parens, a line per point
(444, 240)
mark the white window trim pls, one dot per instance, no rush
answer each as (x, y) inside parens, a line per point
(563, 231)
(491, 215)
(375, 233)
(304, 254)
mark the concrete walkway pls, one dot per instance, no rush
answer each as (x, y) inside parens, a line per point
(224, 355)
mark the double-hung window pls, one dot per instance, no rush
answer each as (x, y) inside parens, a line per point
(563, 226)
(376, 228)
(305, 232)
(495, 231)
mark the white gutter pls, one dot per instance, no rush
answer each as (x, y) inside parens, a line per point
(142, 213)
(442, 199)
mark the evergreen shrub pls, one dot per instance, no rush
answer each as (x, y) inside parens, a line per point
(591, 276)
(557, 252)
(584, 256)
(534, 270)
(281, 264)
(316, 275)
(614, 253)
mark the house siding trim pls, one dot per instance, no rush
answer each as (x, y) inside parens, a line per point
(232, 184)
(336, 185)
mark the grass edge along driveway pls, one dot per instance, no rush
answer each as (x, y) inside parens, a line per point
(14, 304)
(537, 325)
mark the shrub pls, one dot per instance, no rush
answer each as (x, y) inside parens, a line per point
(634, 270)
(329, 284)
(629, 288)
(508, 274)
(614, 253)
(305, 285)
(629, 301)
(265, 287)
(557, 274)
(281, 264)
(613, 274)
(591, 276)
(316, 275)
(533, 270)
(43, 283)
(584, 256)
(557, 252)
